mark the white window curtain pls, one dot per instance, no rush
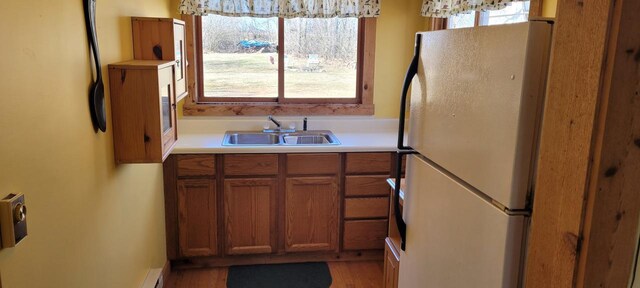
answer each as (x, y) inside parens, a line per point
(283, 8)
(446, 8)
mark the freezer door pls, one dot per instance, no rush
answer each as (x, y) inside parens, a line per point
(476, 102)
(455, 238)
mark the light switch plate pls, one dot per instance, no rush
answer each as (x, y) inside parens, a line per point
(13, 220)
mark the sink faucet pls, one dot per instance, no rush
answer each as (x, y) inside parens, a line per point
(275, 122)
(279, 128)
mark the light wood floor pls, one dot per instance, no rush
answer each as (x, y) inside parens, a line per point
(345, 275)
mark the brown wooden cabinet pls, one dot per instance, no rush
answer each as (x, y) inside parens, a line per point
(366, 200)
(143, 110)
(197, 221)
(162, 39)
(274, 208)
(250, 215)
(311, 212)
(391, 266)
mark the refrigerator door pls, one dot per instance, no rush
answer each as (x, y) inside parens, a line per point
(454, 237)
(476, 102)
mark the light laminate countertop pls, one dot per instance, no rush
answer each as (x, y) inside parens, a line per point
(356, 134)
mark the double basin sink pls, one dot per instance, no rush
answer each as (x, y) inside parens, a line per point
(299, 138)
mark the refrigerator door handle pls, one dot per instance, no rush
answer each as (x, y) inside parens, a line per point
(404, 150)
(402, 226)
(411, 72)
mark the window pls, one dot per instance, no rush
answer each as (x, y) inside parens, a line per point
(239, 57)
(242, 60)
(515, 12)
(462, 20)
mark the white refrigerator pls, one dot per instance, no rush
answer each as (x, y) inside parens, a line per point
(474, 115)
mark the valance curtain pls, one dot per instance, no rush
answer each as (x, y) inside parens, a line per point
(283, 8)
(446, 8)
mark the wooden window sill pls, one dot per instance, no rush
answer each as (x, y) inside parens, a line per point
(262, 109)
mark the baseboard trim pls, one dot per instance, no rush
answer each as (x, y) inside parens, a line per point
(204, 262)
(157, 277)
(166, 272)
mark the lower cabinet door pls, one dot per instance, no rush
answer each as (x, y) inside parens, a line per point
(391, 265)
(311, 214)
(250, 215)
(197, 217)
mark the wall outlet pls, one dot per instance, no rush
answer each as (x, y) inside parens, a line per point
(13, 220)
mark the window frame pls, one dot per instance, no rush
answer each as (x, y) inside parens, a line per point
(197, 104)
(534, 12)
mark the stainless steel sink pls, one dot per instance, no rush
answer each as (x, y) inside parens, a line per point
(251, 138)
(309, 138)
(301, 138)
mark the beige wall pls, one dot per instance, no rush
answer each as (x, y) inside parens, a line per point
(396, 27)
(91, 223)
(549, 8)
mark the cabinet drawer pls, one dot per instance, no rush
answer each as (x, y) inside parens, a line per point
(366, 207)
(309, 164)
(251, 164)
(366, 186)
(196, 165)
(364, 234)
(369, 163)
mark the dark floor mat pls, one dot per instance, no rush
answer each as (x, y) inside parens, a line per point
(295, 275)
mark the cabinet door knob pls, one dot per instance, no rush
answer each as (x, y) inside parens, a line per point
(19, 213)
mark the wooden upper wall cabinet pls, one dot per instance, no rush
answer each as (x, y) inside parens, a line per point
(162, 39)
(143, 110)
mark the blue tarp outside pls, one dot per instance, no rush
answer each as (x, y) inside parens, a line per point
(254, 44)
